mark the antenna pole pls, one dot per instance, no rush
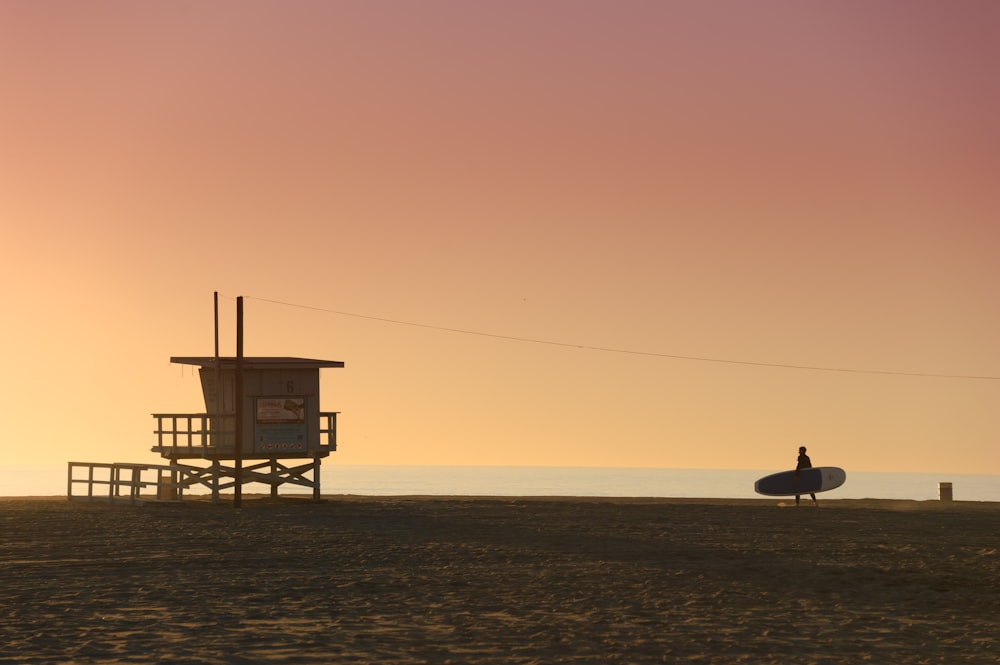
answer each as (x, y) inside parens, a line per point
(238, 489)
(216, 304)
(218, 379)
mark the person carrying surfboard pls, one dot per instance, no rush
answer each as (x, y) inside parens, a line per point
(804, 463)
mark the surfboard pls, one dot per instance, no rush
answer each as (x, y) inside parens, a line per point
(809, 481)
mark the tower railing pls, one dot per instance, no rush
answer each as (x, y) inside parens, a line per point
(204, 434)
(189, 433)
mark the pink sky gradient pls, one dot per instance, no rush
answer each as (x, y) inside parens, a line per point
(776, 182)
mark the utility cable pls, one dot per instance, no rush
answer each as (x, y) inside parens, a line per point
(587, 347)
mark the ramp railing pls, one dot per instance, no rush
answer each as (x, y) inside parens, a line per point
(125, 482)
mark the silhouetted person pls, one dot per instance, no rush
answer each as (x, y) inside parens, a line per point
(804, 463)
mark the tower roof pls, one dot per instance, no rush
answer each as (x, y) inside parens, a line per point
(256, 362)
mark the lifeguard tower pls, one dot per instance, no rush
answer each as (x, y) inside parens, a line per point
(283, 434)
(263, 410)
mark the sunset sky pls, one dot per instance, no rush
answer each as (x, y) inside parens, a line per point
(774, 182)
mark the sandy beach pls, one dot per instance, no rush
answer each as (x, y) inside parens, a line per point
(479, 580)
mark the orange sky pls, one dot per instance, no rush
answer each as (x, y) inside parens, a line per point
(774, 182)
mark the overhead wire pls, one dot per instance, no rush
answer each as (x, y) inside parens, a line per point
(605, 349)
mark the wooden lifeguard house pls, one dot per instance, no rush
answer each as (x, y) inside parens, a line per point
(263, 410)
(282, 433)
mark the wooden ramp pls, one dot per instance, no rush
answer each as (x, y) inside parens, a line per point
(124, 482)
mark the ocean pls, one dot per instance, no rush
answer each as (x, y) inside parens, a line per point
(50, 480)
